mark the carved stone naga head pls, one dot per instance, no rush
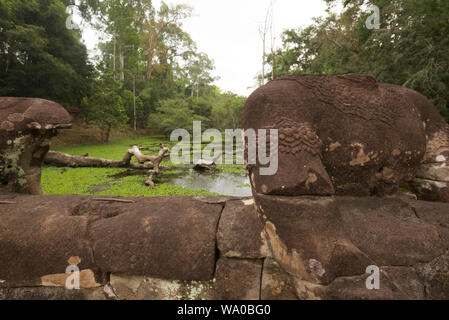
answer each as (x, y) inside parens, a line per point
(349, 135)
(26, 128)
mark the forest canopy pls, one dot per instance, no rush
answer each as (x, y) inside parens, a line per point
(148, 73)
(410, 48)
(39, 57)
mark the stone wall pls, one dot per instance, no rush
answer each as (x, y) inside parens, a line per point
(267, 247)
(222, 248)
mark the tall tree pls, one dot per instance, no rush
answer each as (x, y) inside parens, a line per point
(39, 56)
(163, 38)
(198, 69)
(410, 48)
(105, 106)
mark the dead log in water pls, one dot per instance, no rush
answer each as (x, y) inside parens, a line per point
(146, 162)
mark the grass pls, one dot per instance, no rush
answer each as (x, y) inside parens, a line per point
(105, 181)
(101, 181)
(115, 150)
(234, 169)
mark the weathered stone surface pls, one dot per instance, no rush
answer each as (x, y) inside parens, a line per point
(434, 171)
(172, 238)
(168, 238)
(86, 278)
(308, 240)
(240, 232)
(143, 288)
(389, 231)
(433, 213)
(406, 280)
(349, 288)
(396, 283)
(26, 127)
(347, 135)
(276, 283)
(214, 199)
(319, 240)
(38, 236)
(321, 248)
(423, 281)
(125, 287)
(334, 265)
(430, 190)
(31, 113)
(235, 279)
(45, 293)
(435, 275)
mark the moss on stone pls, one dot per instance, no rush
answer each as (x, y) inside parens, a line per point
(10, 161)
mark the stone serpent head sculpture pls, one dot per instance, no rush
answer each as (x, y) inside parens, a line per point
(26, 128)
(349, 135)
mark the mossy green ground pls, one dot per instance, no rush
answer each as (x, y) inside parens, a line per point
(118, 182)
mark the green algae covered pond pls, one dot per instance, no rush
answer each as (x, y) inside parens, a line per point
(175, 180)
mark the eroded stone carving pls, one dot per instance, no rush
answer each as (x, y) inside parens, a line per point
(321, 248)
(353, 102)
(349, 135)
(26, 128)
(297, 137)
(216, 248)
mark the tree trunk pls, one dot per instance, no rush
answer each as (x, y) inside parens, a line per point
(7, 63)
(115, 56)
(263, 62)
(122, 63)
(273, 39)
(107, 133)
(134, 98)
(60, 159)
(149, 71)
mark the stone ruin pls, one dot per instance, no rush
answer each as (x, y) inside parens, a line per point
(26, 128)
(362, 182)
(350, 136)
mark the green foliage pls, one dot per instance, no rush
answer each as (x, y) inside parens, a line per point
(156, 63)
(227, 111)
(198, 70)
(128, 103)
(115, 150)
(106, 182)
(174, 114)
(411, 48)
(149, 71)
(105, 107)
(39, 56)
(116, 182)
(215, 110)
(87, 8)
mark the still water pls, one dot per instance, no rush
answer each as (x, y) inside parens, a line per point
(228, 184)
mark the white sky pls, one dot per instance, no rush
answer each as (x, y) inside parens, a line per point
(228, 32)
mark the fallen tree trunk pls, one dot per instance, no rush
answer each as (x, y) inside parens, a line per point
(204, 165)
(155, 160)
(60, 159)
(146, 162)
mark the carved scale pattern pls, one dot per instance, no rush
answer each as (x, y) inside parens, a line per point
(350, 95)
(294, 137)
(297, 137)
